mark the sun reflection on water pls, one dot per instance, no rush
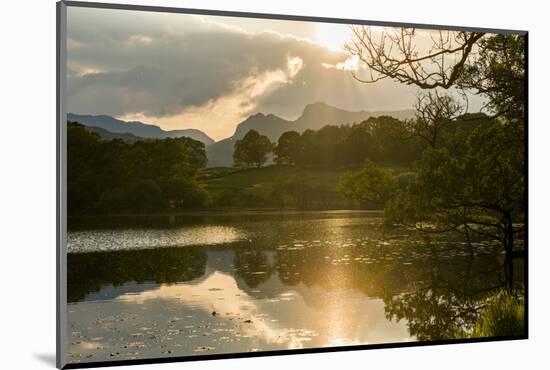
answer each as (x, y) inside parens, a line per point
(258, 285)
(219, 295)
(135, 239)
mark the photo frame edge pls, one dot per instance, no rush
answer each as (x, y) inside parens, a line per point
(61, 180)
(61, 177)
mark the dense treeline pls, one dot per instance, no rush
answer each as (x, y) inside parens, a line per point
(332, 146)
(328, 149)
(309, 171)
(154, 175)
(279, 188)
(382, 140)
(375, 184)
(348, 145)
(113, 176)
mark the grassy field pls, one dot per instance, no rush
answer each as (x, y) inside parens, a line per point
(275, 186)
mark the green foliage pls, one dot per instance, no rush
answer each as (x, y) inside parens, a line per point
(499, 74)
(275, 187)
(450, 295)
(371, 183)
(113, 176)
(503, 315)
(475, 181)
(145, 195)
(252, 150)
(434, 113)
(216, 172)
(375, 139)
(388, 144)
(288, 148)
(302, 192)
(184, 192)
(477, 187)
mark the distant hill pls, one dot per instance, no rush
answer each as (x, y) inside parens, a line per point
(108, 135)
(314, 117)
(220, 153)
(136, 128)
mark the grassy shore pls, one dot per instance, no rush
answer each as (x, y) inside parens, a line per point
(278, 187)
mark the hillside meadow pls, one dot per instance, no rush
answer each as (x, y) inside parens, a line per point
(280, 187)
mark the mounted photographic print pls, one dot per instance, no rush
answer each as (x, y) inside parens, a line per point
(238, 184)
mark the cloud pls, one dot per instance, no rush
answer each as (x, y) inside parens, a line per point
(183, 69)
(235, 304)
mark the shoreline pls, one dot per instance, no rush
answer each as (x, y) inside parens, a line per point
(221, 212)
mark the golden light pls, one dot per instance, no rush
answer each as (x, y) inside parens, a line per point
(333, 36)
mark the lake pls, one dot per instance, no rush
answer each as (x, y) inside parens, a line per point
(161, 286)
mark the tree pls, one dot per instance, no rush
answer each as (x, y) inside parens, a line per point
(391, 141)
(499, 74)
(434, 112)
(106, 176)
(491, 65)
(194, 151)
(82, 162)
(252, 149)
(479, 188)
(327, 143)
(183, 192)
(309, 149)
(371, 183)
(477, 184)
(358, 145)
(288, 148)
(145, 195)
(394, 54)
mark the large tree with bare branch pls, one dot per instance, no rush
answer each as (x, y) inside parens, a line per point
(491, 65)
(475, 183)
(394, 53)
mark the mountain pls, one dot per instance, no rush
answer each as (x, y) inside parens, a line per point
(136, 128)
(314, 117)
(269, 125)
(319, 114)
(108, 135)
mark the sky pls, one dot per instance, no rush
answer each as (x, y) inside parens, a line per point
(209, 72)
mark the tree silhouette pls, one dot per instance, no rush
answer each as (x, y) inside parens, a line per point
(288, 148)
(108, 176)
(252, 150)
(393, 53)
(476, 184)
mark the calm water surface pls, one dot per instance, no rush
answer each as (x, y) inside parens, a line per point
(177, 286)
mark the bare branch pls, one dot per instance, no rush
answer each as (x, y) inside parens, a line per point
(393, 55)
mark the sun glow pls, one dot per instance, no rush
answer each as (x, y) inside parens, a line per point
(231, 108)
(350, 64)
(333, 36)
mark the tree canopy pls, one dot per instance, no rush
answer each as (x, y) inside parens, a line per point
(348, 145)
(107, 176)
(470, 179)
(252, 150)
(371, 183)
(288, 148)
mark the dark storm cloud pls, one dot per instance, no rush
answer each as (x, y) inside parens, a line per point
(336, 87)
(160, 64)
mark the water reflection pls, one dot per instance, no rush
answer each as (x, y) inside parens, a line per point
(139, 239)
(292, 282)
(219, 295)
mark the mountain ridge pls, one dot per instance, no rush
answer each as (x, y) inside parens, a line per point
(220, 153)
(314, 116)
(136, 128)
